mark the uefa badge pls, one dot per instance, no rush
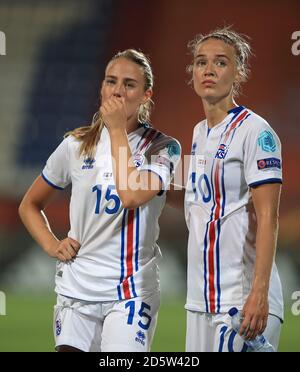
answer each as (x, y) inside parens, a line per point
(261, 164)
(138, 160)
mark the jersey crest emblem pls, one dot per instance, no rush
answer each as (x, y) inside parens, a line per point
(138, 160)
(222, 151)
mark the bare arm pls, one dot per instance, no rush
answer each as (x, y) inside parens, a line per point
(266, 203)
(31, 212)
(134, 188)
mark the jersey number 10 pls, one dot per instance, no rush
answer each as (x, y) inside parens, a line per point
(201, 186)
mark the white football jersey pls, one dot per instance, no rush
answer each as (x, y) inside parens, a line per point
(240, 152)
(118, 255)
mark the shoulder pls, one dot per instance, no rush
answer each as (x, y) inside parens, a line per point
(71, 143)
(259, 129)
(257, 122)
(163, 140)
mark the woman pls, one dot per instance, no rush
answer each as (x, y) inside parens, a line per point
(107, 278)
(231, 205)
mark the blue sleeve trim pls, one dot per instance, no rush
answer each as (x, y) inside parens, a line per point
(270, 180)
(160, 177)
(50, 183)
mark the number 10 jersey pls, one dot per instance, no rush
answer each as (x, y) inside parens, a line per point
(241, 152)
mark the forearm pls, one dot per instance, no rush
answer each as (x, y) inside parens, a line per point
(37, 224)
(134, 187)
(123, 166)
(266, 240)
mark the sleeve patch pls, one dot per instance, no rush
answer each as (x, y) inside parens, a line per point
(268, 163)
(173, 149)
(266, 141)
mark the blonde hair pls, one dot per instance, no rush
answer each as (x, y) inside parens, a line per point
(237, 41)
(90, 135)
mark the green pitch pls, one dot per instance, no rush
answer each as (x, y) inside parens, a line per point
(28, 326)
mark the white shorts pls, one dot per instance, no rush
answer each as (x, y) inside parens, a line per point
(126, 325)
(213, 332)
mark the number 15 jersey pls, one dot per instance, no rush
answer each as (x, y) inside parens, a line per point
(118, 255)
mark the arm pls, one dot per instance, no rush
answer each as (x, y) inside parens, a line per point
(266, 203)
(31, 212)
(134, 188)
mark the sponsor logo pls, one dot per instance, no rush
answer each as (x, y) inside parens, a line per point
(222, 151)
(268, 163)
(267, 142)
(140, 337)
(88, 163)
(59, 273)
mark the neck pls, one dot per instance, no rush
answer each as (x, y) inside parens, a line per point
(216, 112)
(132, 125)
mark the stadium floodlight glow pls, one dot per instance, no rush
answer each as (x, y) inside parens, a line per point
(296, 44)
(2, 303)
(2, 44)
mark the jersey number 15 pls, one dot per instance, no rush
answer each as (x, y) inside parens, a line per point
(109, 196)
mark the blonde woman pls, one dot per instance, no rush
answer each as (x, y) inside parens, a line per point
(107, 281)
(231, 205)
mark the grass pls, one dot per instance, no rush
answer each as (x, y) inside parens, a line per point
(28, 326)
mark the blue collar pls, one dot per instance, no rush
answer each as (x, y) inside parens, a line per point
(236, 110)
